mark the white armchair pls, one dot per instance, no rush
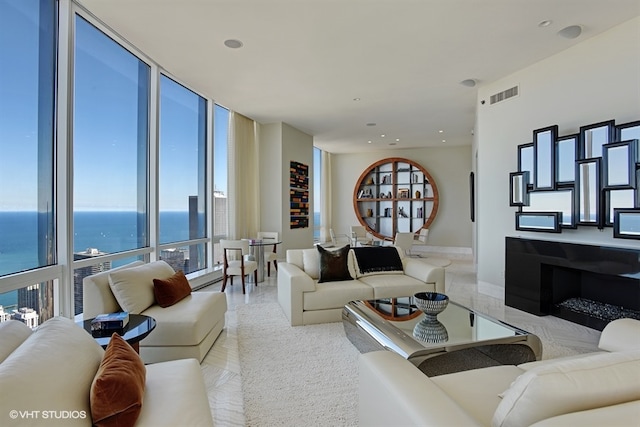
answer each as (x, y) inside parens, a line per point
(237, 262)
(404, 241)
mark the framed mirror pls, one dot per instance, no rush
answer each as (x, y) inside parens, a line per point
(619, 164)
(627, 131)
(593, 137)
(617, 199)
(566, 156)
(548, 222)
(518, 181)
(626, 223)
(560, 200)
(525, 160)
(588, 188)
(544, 158)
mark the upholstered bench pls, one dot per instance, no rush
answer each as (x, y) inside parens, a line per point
(184, 329)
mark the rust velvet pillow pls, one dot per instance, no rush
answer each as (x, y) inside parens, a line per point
(117, 390)
(171, 290)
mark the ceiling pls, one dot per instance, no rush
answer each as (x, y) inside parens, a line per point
(349, 71)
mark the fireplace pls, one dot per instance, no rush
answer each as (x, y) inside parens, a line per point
(586, 284)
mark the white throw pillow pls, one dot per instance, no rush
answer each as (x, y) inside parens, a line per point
(570, 385)
(133, 287)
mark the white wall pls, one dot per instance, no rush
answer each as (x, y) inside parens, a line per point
(449, 167)
(593, 81)
(280, 144)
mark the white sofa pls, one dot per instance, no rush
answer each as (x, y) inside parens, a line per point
(46, 378)
(594, 389)
(186, 329)
(306, 301)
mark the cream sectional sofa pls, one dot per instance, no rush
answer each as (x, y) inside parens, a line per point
(46, 378)
(186, 329)
(596, 389)
(307, 301)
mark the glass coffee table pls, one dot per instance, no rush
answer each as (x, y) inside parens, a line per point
(460, 338)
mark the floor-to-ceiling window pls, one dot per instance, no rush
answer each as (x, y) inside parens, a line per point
(27, 114)
(78, 183)
(317, 168)
(220, 189)
(110, 150)
(182, 191)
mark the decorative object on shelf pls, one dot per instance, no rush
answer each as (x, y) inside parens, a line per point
(369, 212)
(299, 195)
(403, 195)
(577, 180)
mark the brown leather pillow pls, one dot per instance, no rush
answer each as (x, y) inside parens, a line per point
(171, 290)
(117, 390)
(333, 264)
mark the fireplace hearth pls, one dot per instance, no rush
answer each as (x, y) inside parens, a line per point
(586, 284)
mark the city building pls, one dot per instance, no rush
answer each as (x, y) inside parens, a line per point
(80, 273)
(26, 315)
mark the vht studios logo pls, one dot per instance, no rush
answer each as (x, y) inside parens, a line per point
(44, 415)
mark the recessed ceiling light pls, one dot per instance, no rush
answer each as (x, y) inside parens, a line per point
(398, 139)
(368, 142)
(444, 140)
(570, 32)
(356, 99)
(371, 124)
(233, 43)
(544, 23)
(383, 135)
(468, 82)
(440, 131)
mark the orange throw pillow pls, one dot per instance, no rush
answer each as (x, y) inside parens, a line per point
(171, 290)
(117, 390)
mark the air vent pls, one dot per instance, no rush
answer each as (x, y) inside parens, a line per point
(505, 94)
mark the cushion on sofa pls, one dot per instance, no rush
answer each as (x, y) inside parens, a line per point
(624, 414)
(377, 260)
(333, 264)
(171, 290)
(572, 385)
(13, 334)
(392, 285)
(311, 263)
(118, 387)
(52, 370)
(615, 336)
(187, 322)
(133, 287)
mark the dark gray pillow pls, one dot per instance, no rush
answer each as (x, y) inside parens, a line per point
(333, 264)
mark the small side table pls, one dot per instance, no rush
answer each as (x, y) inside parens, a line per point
(137, 329)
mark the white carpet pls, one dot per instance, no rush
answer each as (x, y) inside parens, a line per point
(303, 375)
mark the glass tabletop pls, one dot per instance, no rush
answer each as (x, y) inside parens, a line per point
(455, 325)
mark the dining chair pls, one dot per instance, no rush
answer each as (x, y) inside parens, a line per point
(270, 256)
(337, 240)
(360, 235)
(421, 238)
(404, 241)
(237, 262)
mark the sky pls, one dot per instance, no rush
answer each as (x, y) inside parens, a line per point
(110, 83)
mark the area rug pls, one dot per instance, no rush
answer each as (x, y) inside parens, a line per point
(302, 375)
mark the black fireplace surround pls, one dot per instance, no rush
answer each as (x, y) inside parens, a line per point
(545, 277)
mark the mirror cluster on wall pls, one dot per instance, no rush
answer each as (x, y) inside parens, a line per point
(591, 178)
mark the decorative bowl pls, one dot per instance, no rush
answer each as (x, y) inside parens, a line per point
(431, 303)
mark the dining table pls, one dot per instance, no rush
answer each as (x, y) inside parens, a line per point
(256, 249)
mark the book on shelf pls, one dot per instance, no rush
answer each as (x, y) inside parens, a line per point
(109, 321)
